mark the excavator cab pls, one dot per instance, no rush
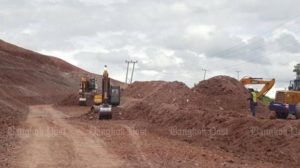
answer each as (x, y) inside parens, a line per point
(295, 85)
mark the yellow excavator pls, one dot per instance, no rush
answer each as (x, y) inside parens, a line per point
(88, 88)
(268, 84)
(109, 97)
(288, 101)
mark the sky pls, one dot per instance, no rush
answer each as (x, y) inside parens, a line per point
(171, 40)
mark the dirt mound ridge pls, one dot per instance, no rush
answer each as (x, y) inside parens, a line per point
(222, 92)
(16, 57)
(213, 114)
(221, 95)
(221, 85)
(29, 78)
(140, 90)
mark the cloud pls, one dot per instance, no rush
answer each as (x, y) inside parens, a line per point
(170, 39)
(287, 42)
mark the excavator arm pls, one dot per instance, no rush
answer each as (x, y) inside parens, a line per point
(268, 84)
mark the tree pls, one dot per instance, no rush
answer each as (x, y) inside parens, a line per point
(297, 70)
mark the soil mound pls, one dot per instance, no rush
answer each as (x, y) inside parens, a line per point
(214, 114)
(73, 100)
(222, 92)
(70, 100)
(140, 90)
(221, 96)
(221, 85)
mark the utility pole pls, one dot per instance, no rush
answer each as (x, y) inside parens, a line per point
(238, 74)
(133, 62)
(127, 62)
(205, 70)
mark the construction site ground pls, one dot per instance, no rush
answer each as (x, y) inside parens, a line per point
(61, 137)
(158, 124)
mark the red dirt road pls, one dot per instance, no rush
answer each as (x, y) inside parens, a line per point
(48, 140)
(56, 137)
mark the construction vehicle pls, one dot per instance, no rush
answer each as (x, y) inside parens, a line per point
(87, 90)
(268, 84)
(288, 101)
(109, 97)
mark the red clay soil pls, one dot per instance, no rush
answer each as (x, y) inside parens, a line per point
(214, 114)
(28, 78)
(73, 100)
(223, 95)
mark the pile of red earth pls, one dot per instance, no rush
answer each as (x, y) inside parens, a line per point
(28, 78)
(165, 101)
(70, 100)
(215, 114)
(73, 100)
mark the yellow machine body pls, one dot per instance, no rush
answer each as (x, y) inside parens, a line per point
(98, 99)
(287, 97)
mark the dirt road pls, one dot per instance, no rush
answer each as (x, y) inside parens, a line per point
(48, 140)
(56, 137)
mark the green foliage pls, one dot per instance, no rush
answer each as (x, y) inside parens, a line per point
(297, 70)
(266, 100)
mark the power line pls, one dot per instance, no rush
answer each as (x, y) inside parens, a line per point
(127, 70)
(265, 33)
(133, 62)
(239, 46)
(205, 71)
(127, 62)
(238, 74)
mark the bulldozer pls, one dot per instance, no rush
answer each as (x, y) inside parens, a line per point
(88, 88)
(109, 97)
(288, 101)
(268, 84)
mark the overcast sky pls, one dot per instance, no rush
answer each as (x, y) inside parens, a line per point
(172, 40)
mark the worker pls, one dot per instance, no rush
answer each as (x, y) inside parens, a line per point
(105, 71)
(253, 101)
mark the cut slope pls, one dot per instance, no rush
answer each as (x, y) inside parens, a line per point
(29, 78)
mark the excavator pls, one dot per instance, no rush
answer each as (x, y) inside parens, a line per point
(288, 101)
(268, 84)
(109, 97)
(87, 90)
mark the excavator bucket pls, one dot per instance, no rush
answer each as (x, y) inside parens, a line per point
(105, 112)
